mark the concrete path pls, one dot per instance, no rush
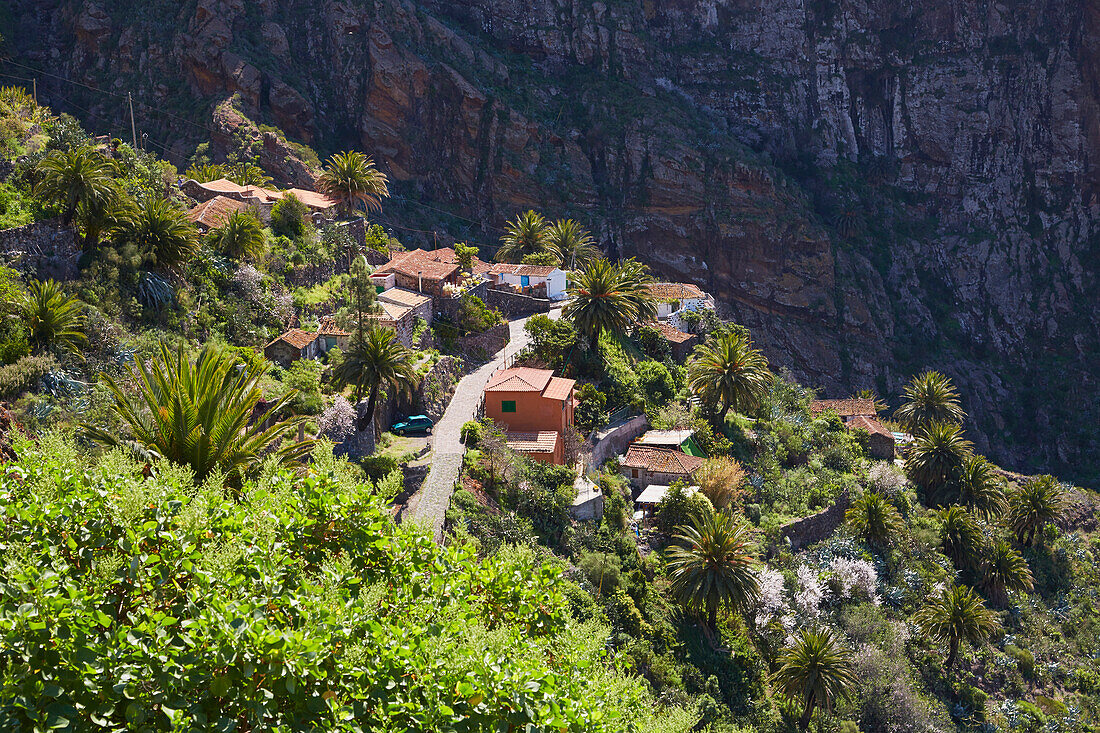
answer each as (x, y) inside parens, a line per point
(447, 449)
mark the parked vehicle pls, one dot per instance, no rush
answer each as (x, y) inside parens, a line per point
(413, 424)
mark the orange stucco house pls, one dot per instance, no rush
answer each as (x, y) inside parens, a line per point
(530, 403)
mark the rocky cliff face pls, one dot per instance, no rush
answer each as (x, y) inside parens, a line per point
(873, 186)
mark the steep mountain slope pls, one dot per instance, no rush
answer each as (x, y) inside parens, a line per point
(873, 187)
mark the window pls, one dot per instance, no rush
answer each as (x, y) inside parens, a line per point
(507, 405)
(524, 280)
(633, 473)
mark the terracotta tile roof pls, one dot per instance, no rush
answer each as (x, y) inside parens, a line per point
(506, 268)
(391, 311)
(403, 297)
(312, 199)
(559, 388)
(871, 425)
(661, 460)
(327, 327)
(674, 291)
(544, 441)
(418, 263)
(223, 185)
(296, 337)
(214, 213)
(845, 408)
(520, 379)
(672, 335)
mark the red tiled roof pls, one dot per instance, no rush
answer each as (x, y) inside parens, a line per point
(296, 337)
(672, 335)
(312, 199)
(223, 185)
(845, 408)
(520, 379)
(674, 291)
(327, 327)
(661, 460)
(559, 388)
(403, 297)
(871, 425)
(544, 441)
(418, 263)
(506, 268)
(215, 212)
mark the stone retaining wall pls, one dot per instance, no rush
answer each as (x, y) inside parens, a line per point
(612, 441)
(481, 347)
(44, 248)
(816, 527)
(516, 305)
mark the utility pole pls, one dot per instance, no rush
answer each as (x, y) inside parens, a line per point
(133, 127)
(34, 85)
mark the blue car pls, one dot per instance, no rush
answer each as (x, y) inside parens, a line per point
(413, 424)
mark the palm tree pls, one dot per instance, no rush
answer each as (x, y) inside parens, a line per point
(1033, 506)
(875, 519)
(161, 230)
(246, 173)
(352, 179)
(572, 243)
(241, 236)
(956, 615)
(98, 216)
(815, 670)
(713, 565)
(929, 398)
(51, 317)
(198, 414)
(375, 360)
(936, 459)
(1005, 569)
(607, 297)
(69, 178)
(528, 234)
(980, 488)
(728, 372)
(960, 536)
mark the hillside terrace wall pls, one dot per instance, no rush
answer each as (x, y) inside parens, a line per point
(816, 527)
(612, 441)
(516, 305)
(45, 248)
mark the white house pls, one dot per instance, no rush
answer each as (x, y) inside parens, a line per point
(537, 280)
(674, 297)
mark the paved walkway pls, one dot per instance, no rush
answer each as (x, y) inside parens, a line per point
(447, 449)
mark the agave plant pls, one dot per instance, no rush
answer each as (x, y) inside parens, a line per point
(154, 292)
(815, 671)
(198, 413)
(713, 565)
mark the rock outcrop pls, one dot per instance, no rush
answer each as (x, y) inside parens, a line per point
(874, 187)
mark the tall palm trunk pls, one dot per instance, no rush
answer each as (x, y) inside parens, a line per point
(372, 399)
(807, 712)
(953, 651)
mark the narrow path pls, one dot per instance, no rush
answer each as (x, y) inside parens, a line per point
(447, 450)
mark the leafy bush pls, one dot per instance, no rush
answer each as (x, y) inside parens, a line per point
(678, 507)
(25, 373)
(288, 217)
(591, 412)
(474, 316)
(655, 382)
(552, 341)
(470, 433)
(183, 609)
(304, 376)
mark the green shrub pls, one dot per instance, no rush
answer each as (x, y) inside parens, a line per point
(1025, 661)
(974, 700)
(288, 217)
(591, 412)
(24, 374)
(474, 316)
(679, 507)
(603, 570)
(470, 433)
(655, 382)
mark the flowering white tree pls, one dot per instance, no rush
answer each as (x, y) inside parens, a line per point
(772, 602)
(811, 592)
(855, 579)
(338, 421)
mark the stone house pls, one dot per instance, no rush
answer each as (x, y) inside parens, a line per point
(419, 271)
(330, 336)
(421, 305)
(861, 414)
(263, 198)
(673, 298)
(537, 280)
(213, 214)
(291, 346)
(680, 343)
(648, 464)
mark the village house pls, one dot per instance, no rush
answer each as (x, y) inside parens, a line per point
(262, 198)
(861, 414)
(650, 464)
(421, 305)
(213, 214)
(535, 280)
(681, 440)
(401, 318)
(674, 298)
(291, 346)
(330, 336)
(654, 494)
(681, 344)
(419, 271)
(528, 402)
